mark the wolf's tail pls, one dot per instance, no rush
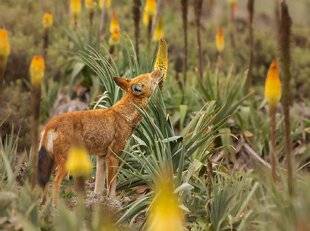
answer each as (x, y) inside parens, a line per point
(45, 166)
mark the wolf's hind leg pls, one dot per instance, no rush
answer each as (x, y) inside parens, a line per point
(100, 175)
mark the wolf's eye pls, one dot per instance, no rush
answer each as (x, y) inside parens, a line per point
(137, 89)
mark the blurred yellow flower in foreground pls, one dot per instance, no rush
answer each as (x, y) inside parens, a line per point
(78, 163)
(75, 7)
(90, 4)
(47, 20)
(5, 48)
(159, 30)
(115, 30)
(273, 84)
(219, 39)
(36, 70)
(165, 212)
(105, 3)
(161, 61)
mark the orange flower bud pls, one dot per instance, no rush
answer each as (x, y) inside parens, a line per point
(115, 30)
(75, 7)
(159, 30)
(47, 20)
(273, 84)
(219, 40)
(36, 70)
(5, 47)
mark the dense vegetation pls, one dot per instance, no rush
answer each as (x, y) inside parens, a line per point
(210, 131)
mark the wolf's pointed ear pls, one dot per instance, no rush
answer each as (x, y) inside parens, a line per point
(122, 82)
(157, 74)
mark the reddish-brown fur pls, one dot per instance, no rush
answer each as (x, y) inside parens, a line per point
(104, 132)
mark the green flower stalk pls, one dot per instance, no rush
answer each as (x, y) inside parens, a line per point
(250, 7)
(198, 9)
(185, 22)
(136, 18)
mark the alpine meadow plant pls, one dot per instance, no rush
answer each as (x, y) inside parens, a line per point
(36, 72)
(184, 4)
(47, 23)
(273, 96)
(285, 64)
(198, 9)
(250, 8)
(149, 13)
(5, 50)
(136, 12)
(115, 32)
(75, 11)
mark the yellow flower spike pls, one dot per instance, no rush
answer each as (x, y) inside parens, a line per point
(219, 40)
(78, 163)
(36, 70)
(161, 61)
(273, 84)
(5, 48)
(159, 30)
(165, 212)
(90, 4)
(150, 7)
(75, 7)
(115, 30)
(146, 19)
(105, 3)
(47, 20)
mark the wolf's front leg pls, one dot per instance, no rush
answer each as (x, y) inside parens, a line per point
(100, 175)
(112, 162)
